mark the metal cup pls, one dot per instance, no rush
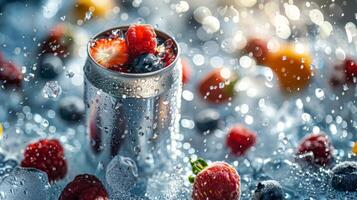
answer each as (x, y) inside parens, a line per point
(132, 114)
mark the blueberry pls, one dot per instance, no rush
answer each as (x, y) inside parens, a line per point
(268, 190)
(147, 63)
(207, 120)
(71, 109)
(344, 176)
(50, 66)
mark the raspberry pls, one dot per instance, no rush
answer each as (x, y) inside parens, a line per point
(141, 39)
(258, 48)
(218, 86)
(10, 75)
(48, 156)
(217, 181)
(320, 147)
(240, 139)
(84, 187)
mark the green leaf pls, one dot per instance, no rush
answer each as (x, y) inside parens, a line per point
(198, 165)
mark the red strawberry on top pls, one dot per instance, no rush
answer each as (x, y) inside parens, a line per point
(218, 86)
(46, 155)
(218, 181)
(320, 147)
(84, 187)
(10, 75)
(240, 139)
(110, 53)
(141, 39)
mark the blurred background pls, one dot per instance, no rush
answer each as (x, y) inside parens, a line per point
(44, 99)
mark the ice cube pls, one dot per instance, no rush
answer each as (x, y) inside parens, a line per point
(24, 183)
(121, 174)
(52, 90)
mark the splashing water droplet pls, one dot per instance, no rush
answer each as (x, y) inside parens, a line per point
(319, 93)
(88, 15)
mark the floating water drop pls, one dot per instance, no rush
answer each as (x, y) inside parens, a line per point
(316, 16)
(201, 13)
(292, 11)
(182, 7)
(211, 24)
(319, 93)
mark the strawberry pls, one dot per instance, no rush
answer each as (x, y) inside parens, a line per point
(186, 71)
(46, 155)
(240, 139)
(258, 48)
(110, 53)
(216, 181)
(10, 75)
(84, 187)
(320, 147)
(218, 86)
(141, 39)
(59, 41)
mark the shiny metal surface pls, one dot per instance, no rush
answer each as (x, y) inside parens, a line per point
(134, 115)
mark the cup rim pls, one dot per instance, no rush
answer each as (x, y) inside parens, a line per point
(159, 33)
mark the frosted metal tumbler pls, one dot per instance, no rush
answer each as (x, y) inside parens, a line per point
(132, 114)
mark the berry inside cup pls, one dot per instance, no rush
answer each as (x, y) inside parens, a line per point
(136, 49)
